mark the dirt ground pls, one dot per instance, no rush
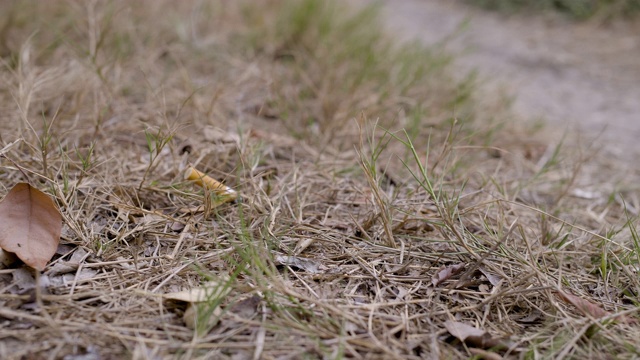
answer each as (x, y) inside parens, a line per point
(582, 76)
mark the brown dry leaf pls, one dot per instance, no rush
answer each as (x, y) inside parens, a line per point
(473, 336)
(586, 307)
(30, 225)
(445, 273)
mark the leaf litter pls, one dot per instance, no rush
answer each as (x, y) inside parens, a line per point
(447, 272)
(309, 265)
(591, 309)
(201, 314)
(473, 336)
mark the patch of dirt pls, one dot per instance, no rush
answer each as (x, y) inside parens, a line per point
(576, 76)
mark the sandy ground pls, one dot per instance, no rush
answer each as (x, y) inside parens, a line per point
(574, 76)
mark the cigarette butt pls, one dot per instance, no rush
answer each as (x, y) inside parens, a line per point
(210, 183)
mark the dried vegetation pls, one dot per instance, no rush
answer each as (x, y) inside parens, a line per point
(386, 210)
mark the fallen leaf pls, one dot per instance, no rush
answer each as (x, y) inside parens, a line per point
(534, 317)
(445, 273)
(493, 279)
(149, 219)
(23, 280)
(194, 317)
(30, 225)
(206, 292)
(176, 226)
(308, 265)
(402, 293)
(246, 308)
(585, 306)
(463, 331)
(63, 267)
(64, 249)
(588, 308)
(473, 336)
(65, 280)
(203, 312)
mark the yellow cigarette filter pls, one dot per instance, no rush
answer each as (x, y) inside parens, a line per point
(210, 183)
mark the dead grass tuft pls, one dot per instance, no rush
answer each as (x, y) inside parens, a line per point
(381, 202)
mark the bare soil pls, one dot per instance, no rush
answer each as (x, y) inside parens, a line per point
(577, 76)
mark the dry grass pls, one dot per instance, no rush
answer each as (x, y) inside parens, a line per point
(288, 103)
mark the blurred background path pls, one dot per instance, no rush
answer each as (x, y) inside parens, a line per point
(572, 75)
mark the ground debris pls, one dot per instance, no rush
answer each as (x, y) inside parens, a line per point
(446, 272)
(475, 337)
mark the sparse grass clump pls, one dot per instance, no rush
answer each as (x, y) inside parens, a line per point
(381, 200)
